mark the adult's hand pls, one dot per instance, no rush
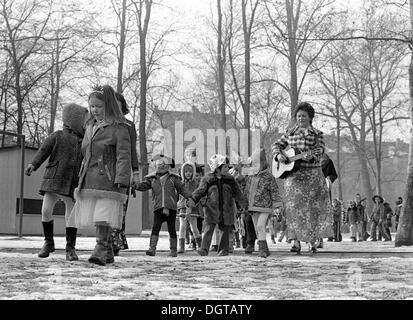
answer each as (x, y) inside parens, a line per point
(29, 169)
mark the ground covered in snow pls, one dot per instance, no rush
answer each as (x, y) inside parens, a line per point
(346, 270)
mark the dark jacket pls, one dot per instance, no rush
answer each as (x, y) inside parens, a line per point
(353, 215)
(165, 189)
(107, 161)
(221, 194)
(337, 212)
(133, 138)
(362, 212)
(387, 214)
(63, 148)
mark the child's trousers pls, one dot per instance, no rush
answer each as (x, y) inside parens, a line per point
(159, 218)
(207, 237)
(260, 223)
(355, 230)
(193, 223)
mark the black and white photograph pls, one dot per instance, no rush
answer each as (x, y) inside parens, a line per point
(207, 157)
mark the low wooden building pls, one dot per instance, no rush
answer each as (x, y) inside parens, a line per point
(10, 170)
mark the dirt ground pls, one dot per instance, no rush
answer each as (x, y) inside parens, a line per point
(346, 270)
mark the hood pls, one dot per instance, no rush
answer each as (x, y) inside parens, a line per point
(74, 117)
(193, 167)
(259, 159)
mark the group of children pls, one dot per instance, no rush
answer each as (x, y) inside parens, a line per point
(93, 162)
(217, 196)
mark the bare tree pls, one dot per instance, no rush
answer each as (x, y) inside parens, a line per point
(288, 29)
(21, 42)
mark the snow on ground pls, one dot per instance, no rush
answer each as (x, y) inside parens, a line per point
(346, 270)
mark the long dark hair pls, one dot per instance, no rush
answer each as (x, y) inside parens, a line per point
(106, 94)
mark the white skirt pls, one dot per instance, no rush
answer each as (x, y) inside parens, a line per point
(89, 210)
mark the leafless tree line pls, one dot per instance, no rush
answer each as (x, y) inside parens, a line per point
(255, 58)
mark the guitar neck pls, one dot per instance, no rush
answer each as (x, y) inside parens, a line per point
(297, 157)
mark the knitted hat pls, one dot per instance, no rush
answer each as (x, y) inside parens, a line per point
(216, 161)
(168, 160)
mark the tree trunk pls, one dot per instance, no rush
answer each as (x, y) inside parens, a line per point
(121, 48)
(365, 177)
(142, 109)
(221, 76)
(55, 88)
(404, 236)
(292, 51)
(340, 186)
(247, 59)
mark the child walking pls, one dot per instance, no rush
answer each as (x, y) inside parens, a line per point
(221, 189)
(60, 179)
(105, 172)
(263, 198)
(191, 215)
(353, 218)
(166, 187)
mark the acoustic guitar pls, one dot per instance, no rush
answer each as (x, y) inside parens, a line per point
(282, 170)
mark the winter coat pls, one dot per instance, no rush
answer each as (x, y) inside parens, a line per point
(398, 210)
(166, 189)
(262, 192)
(337, 211)
(133, 138)
(220, 198)
(362, 212)
(190, 185)
(353, 216)
(106, 150)
(63, 148)
(387, 214)
(377, 213)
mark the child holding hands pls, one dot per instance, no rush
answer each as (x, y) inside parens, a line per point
(166, 187)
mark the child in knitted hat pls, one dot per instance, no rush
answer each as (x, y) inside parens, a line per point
(166, 187)
(221, 189)
(61, 176)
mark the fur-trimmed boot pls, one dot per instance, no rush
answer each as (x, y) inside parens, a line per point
(173, 243)
(262, 248)
(101, 248)
(71, 234)
(153, 241)
(110, 255)
(181, 245)
(48, 245)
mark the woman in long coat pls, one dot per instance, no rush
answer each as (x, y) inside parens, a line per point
(307, 204)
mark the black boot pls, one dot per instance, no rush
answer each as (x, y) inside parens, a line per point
(101, 248)
(262, 248)
(152, 245)
(110, 255)
(273, 238)
(71, 234)
(267, 250)
(173, 244)
(198, 242)
(181, 245)
(249, 249)
(48, 240)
